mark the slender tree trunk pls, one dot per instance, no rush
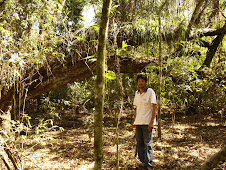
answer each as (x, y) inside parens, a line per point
(100, 85)
(159, 81)
(160, 73)
(121, 94)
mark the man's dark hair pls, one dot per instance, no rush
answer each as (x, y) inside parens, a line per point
(142, 76)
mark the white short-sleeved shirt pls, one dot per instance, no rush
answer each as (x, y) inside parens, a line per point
(143, 103)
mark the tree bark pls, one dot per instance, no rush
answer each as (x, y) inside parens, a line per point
(220, 31)
(216, 4)
(160, 71)
(121, 95)
(194, 17)
(41, 81)
(215, 159)
(100, 85)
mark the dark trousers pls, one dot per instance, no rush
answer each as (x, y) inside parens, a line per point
(144, 144)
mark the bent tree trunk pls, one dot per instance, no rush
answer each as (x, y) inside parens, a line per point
(41, 81)
(100, 84)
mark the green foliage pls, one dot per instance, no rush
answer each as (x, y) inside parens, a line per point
(113, 103)
(33, 32)
(46, 126)
(110, 75)
(81, 94)
(76, 95)
(19, 127)
(124, 44)
(24, 129)
(189, 92)
(88, 123)
(29, 35)
(73, 10)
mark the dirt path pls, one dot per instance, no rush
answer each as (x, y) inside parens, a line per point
(185, 144)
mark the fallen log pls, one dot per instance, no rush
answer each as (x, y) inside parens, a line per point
(215, 159)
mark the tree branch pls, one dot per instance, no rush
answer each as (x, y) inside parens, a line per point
(212, 50)
(219, 31)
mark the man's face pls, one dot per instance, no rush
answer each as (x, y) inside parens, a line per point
(141, 83)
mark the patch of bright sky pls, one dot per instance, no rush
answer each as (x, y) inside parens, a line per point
(88, 14)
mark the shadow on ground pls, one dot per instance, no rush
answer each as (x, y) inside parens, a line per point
(186, 143)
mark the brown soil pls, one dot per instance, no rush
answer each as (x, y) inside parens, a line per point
(186, 143)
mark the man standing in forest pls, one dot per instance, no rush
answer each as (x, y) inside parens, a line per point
(146, 109)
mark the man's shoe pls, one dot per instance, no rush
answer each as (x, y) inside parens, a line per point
(143, 165)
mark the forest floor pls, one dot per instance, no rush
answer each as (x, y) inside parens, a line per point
(186, 143)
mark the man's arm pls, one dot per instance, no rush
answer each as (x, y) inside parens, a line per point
(134, 126)
(154, 112)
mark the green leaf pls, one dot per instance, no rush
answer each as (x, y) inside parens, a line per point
(90, 58)
(82, 18)
(110, 75)
(93, 40)
(80, 38)
(95, 26)
(124, 44)
(118, 52)
(116, 6)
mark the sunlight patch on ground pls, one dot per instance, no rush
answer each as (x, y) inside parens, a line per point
(85, 166)
(111, 149)
(212, 124)
(183, 146)
(127, 134)
(182, 126)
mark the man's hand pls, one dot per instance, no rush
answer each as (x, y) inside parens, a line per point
(134, 127)
(150, 126)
